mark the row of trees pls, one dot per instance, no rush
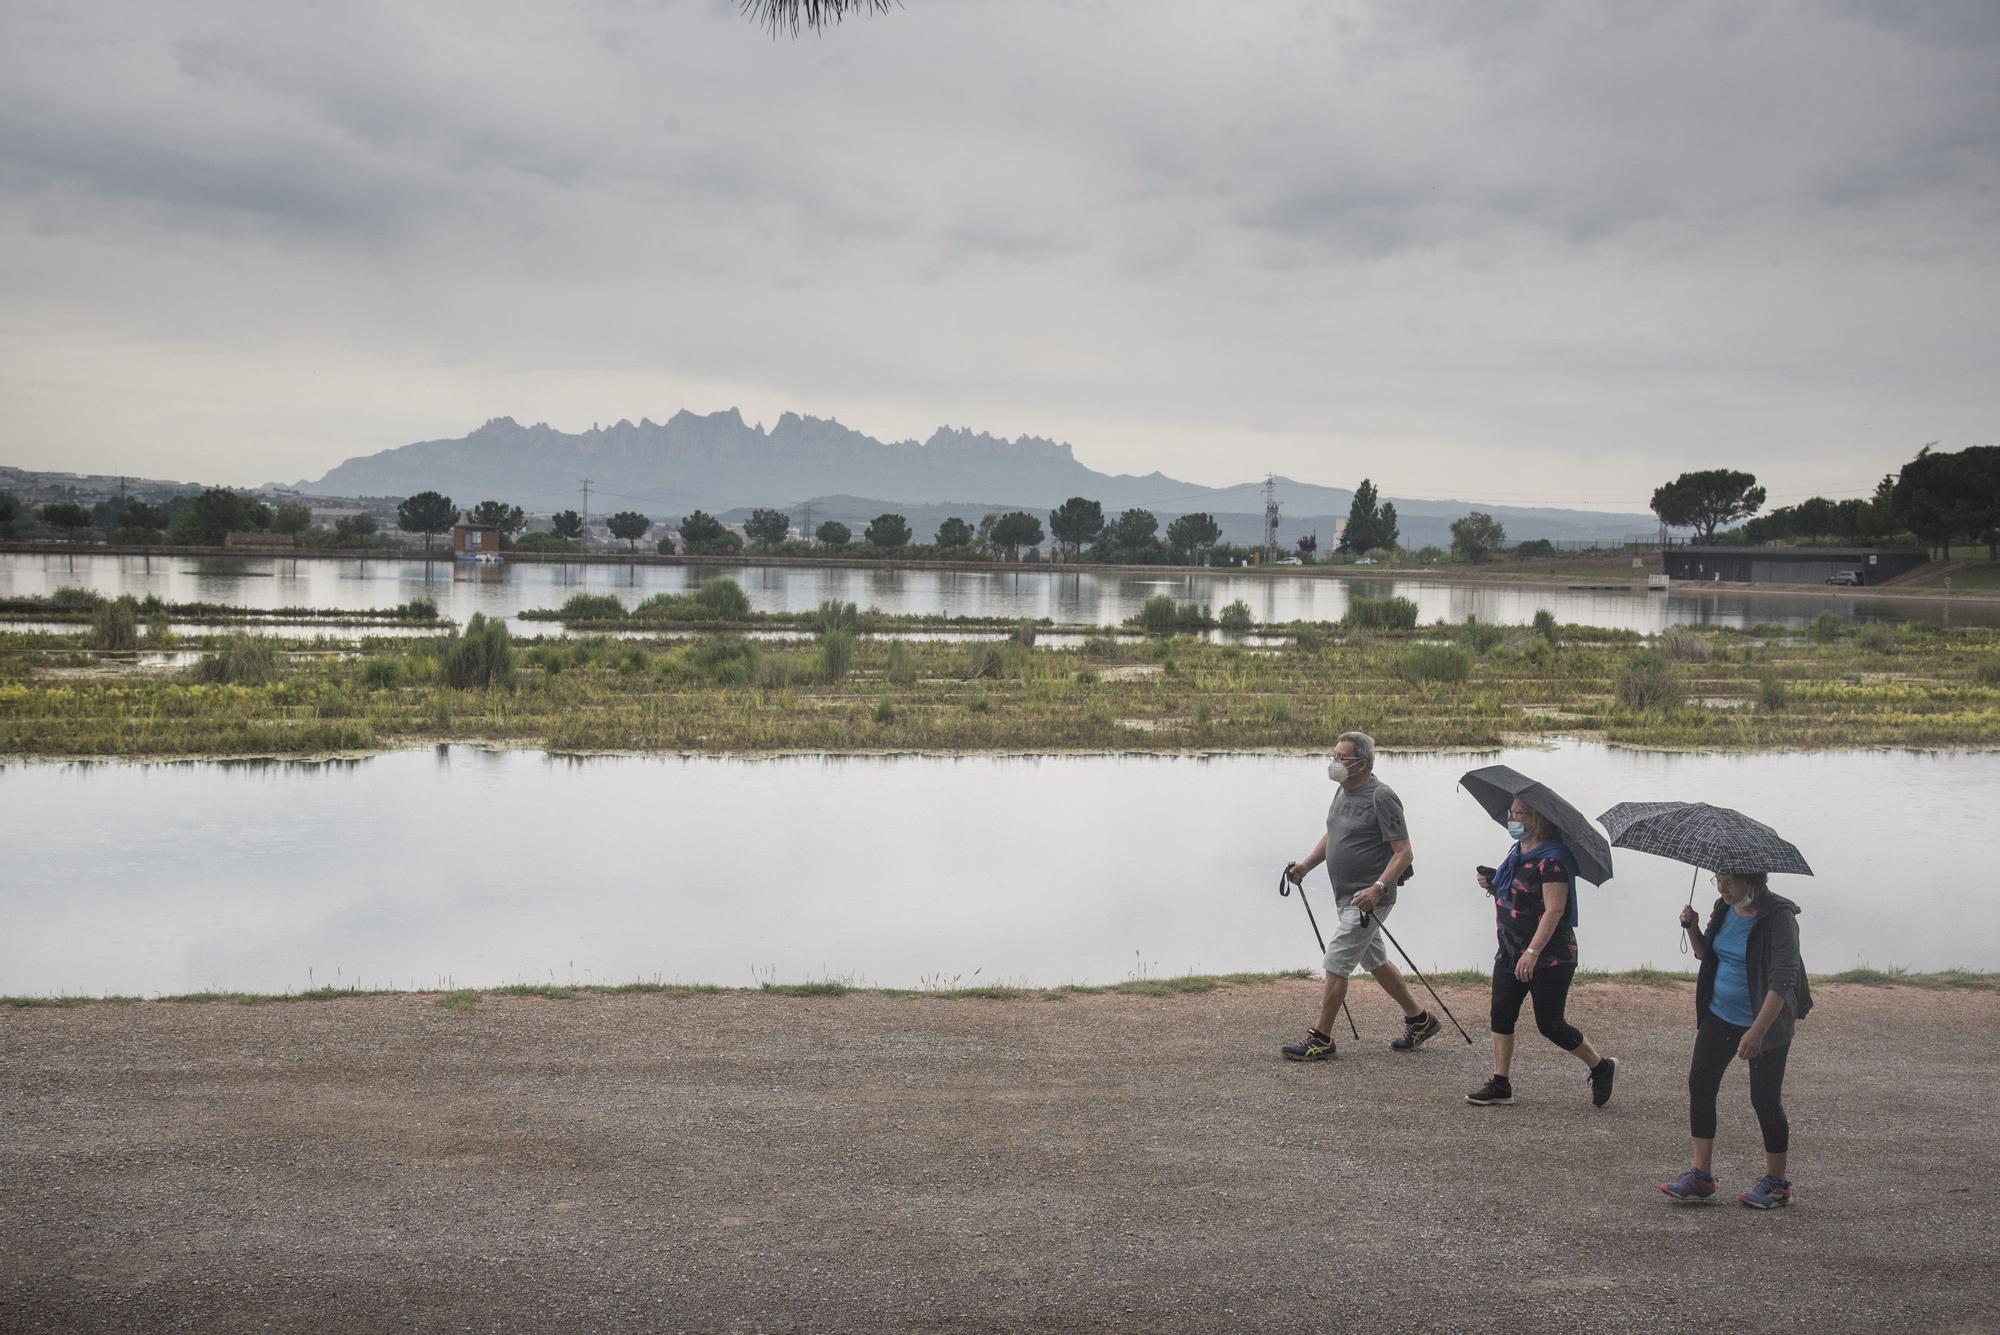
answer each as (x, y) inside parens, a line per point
(1937, 498)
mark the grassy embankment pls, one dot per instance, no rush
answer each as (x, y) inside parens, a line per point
(465, 999)
(85, 607)
(1472, 686)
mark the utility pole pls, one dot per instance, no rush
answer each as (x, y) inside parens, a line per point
(806, 523)
(583, 537)
(1270, 518)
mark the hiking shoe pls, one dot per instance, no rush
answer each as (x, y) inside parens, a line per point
(1416, 1032)
(1496, 1090)
(1314, 1047)
(1769, 1194)
(1601, 1076)
(1693, 1185)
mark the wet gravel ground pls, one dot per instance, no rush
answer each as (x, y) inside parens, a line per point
(752, 1162)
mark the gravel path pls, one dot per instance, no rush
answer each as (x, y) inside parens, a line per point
(751, 1162)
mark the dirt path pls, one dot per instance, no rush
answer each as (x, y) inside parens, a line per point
(749, 1162)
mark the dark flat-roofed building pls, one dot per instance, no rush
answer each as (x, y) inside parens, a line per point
(1789, 565)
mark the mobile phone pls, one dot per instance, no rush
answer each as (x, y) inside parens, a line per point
(1487, 872)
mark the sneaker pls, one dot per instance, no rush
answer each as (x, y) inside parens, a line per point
(1601, 1076)
(1693, 1185)
(1769, 1194)
(1496, 1090)
(1314, 1047)
(1416, 1032)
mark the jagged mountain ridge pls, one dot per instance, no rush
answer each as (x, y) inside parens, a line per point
(720, 463)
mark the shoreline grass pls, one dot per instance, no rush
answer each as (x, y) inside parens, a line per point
(462, 1000)
(1764, 689)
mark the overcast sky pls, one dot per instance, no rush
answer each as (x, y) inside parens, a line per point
(1499, 251)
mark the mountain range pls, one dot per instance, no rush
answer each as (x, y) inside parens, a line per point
(719, 463)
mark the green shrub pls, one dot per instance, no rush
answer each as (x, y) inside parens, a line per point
(1203, 712)
(1389, 613)
(885, 710)
(548, 658)
(1023, 634)
(423, 607)
(159, 631)
(1434, 662)
(1236, 617)
(115, 625)
(1685, 646)
(1987, 673)
(592, 607)
(1545, 626)
(1771, 691)
(71, 599)
(833, 615)
(1161, 615)
(1277, 709)
(243, 660)
(723, 598)
(836, 652)
(1826, 628)
(421, 667)
(902, 669)
(1646, 682)
(634, 660)
(481, 656)
(381, 674)
(986, 660)
(978, 702)
(1878, 638)
(1479, 637)
(726, 660)
(1539, 654)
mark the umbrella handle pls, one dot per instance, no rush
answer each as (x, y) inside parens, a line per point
(1692, 880)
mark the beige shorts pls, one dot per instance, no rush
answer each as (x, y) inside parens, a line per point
(1356, 942)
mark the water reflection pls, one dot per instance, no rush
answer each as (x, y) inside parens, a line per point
(488, 867)
(1069, 596)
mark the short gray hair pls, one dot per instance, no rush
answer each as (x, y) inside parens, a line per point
(1364, 746)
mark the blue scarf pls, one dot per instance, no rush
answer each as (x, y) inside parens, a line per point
(1503, 875)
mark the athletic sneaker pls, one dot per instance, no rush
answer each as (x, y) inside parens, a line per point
(1496, 1090)
(1314, 1047)
(1693, 1185)
(1416, 1032)
(1769, 1194)
(1601, 1076)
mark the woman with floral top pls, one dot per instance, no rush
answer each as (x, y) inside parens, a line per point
(1534, 904)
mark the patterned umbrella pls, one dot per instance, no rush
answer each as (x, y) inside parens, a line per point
(1496, 786)
(1700, 835)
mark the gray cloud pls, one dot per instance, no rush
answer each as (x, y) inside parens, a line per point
(1458, 239)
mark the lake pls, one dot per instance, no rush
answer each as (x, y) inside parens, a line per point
(1077, 597)
(466, 867)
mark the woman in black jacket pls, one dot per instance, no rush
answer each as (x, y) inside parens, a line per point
(1750, 995)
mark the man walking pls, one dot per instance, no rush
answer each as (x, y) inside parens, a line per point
(1366, 849)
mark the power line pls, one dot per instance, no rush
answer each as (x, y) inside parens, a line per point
(584, 536)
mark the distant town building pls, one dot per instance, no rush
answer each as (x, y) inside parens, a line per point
(468, 539)
(258, 540)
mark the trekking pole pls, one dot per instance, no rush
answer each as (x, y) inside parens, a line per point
(1285, 888)
(1420, 978)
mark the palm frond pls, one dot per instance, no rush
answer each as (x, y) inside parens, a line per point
(788, 16)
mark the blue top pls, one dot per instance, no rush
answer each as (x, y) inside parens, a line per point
(1731, 1002)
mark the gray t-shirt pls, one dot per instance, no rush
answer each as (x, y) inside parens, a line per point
(1360, 825)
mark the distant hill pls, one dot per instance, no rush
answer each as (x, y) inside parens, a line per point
(721, 464)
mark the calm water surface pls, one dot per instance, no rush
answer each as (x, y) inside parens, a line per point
(1083, 598)
(467, 867)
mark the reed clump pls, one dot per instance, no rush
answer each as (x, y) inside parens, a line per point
(480, 657)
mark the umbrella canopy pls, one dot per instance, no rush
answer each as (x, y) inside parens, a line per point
(1496, 786)
(1700, 835)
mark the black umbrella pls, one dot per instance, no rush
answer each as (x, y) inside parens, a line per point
(1496, 786)
(1700, 835)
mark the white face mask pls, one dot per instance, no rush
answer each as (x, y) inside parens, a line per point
(1337, 770)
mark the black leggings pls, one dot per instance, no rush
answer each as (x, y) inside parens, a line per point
(1714, 1047)
(1550, 990)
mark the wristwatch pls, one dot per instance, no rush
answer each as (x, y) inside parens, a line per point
(1377, 885)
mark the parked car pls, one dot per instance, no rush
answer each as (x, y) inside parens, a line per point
(1848, 577)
